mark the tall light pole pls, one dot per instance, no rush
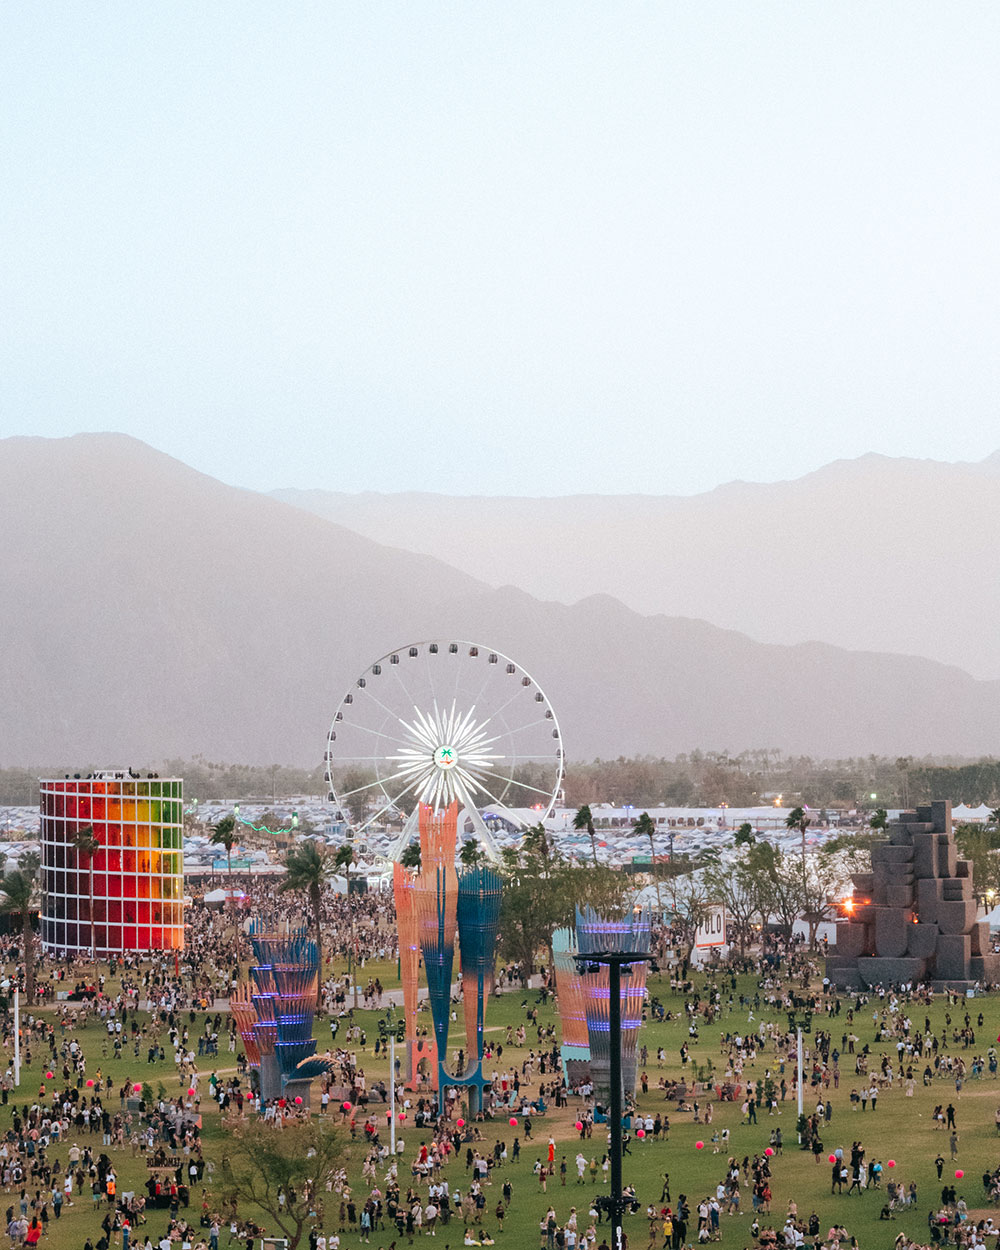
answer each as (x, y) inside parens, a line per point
(616, 961)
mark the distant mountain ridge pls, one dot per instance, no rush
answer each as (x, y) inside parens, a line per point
(151, 611)
(876, 553)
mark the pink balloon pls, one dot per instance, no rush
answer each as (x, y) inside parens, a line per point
(298, 1100)
(347, 1106)
(48, 1076)
(578, 1126)
(768, 1151)
(833, 1158)
(90, 1084)
(699, 1145)
(402, 1115)
(959, 1174)
(191, 1092)
(512, 1122)
(640, 1132)
(892, 1163)
(249, 1096)
(460, 1123)
(136, 1089)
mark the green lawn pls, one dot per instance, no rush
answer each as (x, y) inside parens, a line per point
(901, 1129)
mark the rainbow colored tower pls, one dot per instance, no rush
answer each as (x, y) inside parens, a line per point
(125, 894)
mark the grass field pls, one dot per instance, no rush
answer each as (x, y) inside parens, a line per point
(901, 1129)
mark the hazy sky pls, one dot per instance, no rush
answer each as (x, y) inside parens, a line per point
(499, 247)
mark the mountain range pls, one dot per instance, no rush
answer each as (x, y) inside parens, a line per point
(874, 554)
(152, 611)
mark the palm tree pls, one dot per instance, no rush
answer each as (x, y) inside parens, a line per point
(344, 859)
(745, 835)
(224, 834)
(471, 853)
(584, 820)
(645, 828)
(410, 858)
(310, 870)
(87, 844)
(797, 819)
(17, 898)
(879, 820)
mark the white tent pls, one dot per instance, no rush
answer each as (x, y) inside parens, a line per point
(963, 813)
(220, 895)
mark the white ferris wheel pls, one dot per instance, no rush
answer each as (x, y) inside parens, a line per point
(443, 722)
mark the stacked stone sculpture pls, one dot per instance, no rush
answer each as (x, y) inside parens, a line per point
(913, 917)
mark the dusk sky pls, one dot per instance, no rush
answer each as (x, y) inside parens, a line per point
(512, 248)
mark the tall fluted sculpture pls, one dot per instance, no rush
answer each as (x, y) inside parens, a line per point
(478, 925)
(598, 933)
(284, 995)
(575, 1048)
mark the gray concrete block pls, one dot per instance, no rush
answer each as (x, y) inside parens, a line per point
(863, 882)
(941, 814)
(924, 814)
(925, 860)
(899, 895)
(956, 917)
(985, 968)
(891, 925)
(865, 913)
(928, 898)
(916, 827)
(980, 937)
(899, 835)
(880, 890)
(952, 956)
(921, 940)
(956, 888)
(850, 939)
(880, 971)
(890, 854)
(963, 868)
(947, 855)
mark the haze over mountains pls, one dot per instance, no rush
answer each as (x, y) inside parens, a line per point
(876, 554)
(151, 611)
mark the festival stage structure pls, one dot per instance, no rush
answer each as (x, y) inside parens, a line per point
(913, 917)
(575, 1048)
(112, 863)
(599, 934)
(275, 1013)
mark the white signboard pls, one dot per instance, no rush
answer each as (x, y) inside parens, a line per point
(712, 930)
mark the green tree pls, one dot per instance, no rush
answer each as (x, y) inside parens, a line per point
(410, 857)
(17, 898)
(343, 861)
(224, 834)
(879, 819)
(471, 853)
(744, 835)
(87, 845)
(282, 1174)
(798, 820)
(310, 870)
(584, 819)
(646, 828)
(541, 893)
